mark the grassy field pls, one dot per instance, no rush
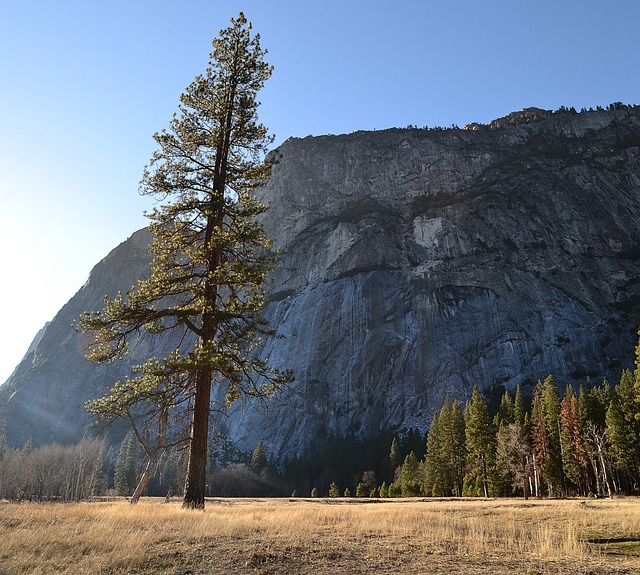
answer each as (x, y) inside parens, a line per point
(320, 536)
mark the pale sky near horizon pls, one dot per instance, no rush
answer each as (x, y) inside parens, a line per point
(85, 84)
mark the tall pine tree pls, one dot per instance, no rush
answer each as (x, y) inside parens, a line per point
(623, 429)
(574, 453)
(209, 257)
(545, 435)
(480, 445)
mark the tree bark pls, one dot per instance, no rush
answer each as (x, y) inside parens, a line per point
(195, 484)
(152, 464)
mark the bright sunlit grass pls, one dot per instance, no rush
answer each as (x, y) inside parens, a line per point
(152, 537)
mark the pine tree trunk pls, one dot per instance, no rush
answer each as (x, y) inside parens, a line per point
(152, 463)
(195, 484)
(485, 478)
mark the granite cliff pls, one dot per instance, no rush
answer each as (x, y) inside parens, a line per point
(413, 263)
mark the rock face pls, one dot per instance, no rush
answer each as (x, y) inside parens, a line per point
(413, 263)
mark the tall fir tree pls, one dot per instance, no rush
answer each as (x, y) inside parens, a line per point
(446, 452)
(623, 429)
(480, 446)
(259, 458)
(636, 402)
(553, 475)
(519, 408)
(433, 481)
(410, 480)
(394, 456)
(209, 256)
(574, 453)
(506, 412)
(458, 447)
(546, 435)
(126, 471)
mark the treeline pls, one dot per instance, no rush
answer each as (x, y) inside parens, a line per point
(551, 444)
(533, 442)
(516, 119)
(52, 472)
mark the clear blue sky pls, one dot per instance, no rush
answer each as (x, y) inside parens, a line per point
(86, 83)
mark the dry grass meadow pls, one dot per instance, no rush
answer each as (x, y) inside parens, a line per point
(320, 536)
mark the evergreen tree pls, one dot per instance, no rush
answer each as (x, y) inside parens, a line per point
(545, 436)
(637, 381)
(480, 446)
(519, 409)
(445, 455)
(410, 481)
(574, 453)
(434, 482)
(127, 465)
(623, 429)
(553, 472)
(395, 490)
(333, 490)
(539, 438)
(27, 448)
(360, 490)
(209, 264)
(593, 404)
(384, 490)
(446, 452)
(259, 458)
(505, 413)
(394, 456)
(458, 448)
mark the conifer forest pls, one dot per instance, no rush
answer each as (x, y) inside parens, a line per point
(537, 441)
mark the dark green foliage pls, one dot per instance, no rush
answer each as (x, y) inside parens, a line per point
(434, 480)
(519, 408)
(410, 477)
(395, 490)
(128, 466)
(552, 472)
(259, 458)
(623, 429)
(480, 443)
(506, 411)
(394, 455)
(446, 452)
(348, 460)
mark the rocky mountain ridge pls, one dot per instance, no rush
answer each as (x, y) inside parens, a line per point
(413, 263)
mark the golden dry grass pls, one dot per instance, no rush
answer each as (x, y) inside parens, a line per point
(322, 537)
